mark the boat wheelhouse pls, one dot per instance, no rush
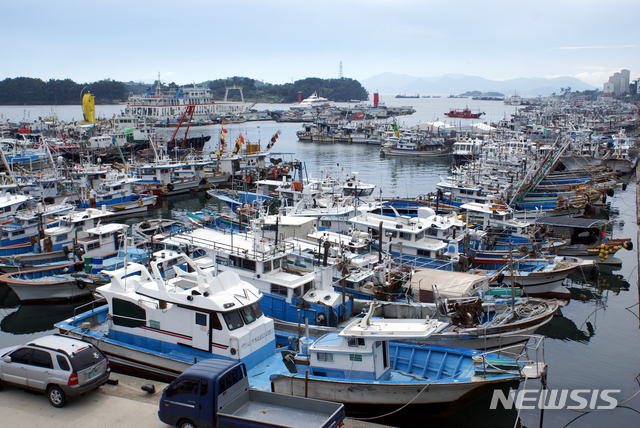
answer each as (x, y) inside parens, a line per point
(263, 264)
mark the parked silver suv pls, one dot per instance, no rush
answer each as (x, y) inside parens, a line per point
(60, 366)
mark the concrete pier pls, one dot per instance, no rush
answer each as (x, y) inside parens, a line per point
(124, 405)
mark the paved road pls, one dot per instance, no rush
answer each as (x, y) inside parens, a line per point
(114, 406)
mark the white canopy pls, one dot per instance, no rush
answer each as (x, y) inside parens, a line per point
(427, 284)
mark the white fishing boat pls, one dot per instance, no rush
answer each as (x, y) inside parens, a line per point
(427, 235)
(163, 326)
(9, 205)
(264, 265)
(371, 368)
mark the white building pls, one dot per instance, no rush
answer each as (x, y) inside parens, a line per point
(618, 84)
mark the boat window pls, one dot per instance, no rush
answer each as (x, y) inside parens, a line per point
(201, 319)
(325, 357)
(405, 236)
(420, 235)
(233, 319)
(276, 263)
(278, 290)
(128, 314)
(390, 234)
(257, 309)
(366, 192)
(307, 287)
(215, 321)
(93, 246)
(355, 342)
(297, 292)
(61, 238)
(248, 314)
(266, 266)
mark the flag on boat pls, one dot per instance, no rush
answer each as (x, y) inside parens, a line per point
(273, 139)
(395, 128)
(239, 142)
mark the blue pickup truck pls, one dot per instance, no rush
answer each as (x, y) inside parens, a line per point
(215, 393)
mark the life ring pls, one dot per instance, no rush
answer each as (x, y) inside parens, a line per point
(81, 285)
(520, 150)
(275, 173)
(170, 187)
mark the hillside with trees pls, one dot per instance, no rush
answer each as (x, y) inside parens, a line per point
(30, 91)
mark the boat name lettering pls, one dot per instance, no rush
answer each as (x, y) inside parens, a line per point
(154, 324)
(259, 338)
(355, 357)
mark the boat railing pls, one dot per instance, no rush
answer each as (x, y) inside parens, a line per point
(252, 253)
(526, 359)
(89, 306)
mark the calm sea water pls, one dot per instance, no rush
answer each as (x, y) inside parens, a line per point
(593, 344)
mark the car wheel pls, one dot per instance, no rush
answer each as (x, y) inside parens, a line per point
(185, 423)
(56, 396)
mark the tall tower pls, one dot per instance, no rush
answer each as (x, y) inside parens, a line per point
(341, 70)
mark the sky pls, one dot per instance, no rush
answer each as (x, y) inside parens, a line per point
(191, 41)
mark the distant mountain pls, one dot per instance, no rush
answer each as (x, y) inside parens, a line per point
(390, 83)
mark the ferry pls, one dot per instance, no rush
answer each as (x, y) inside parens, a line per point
(164, 106)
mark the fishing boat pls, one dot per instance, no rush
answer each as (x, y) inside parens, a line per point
(46, 284)
(431, 148)
(30, 221)
(157, 228)
(371, 368)
(588, 239)
(471, 322)
(9, 205)
(427, 235)
(463, 114)
(287, 295)
(537, 277)
(162, 326)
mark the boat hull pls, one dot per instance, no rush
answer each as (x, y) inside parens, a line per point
(40, 285)
(374, 399)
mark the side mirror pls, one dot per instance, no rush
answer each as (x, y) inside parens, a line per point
(6, 359)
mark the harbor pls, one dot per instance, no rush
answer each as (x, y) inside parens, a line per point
(598, 321)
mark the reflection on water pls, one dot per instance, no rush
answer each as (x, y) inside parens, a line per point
(34, 318)
(565, 329)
